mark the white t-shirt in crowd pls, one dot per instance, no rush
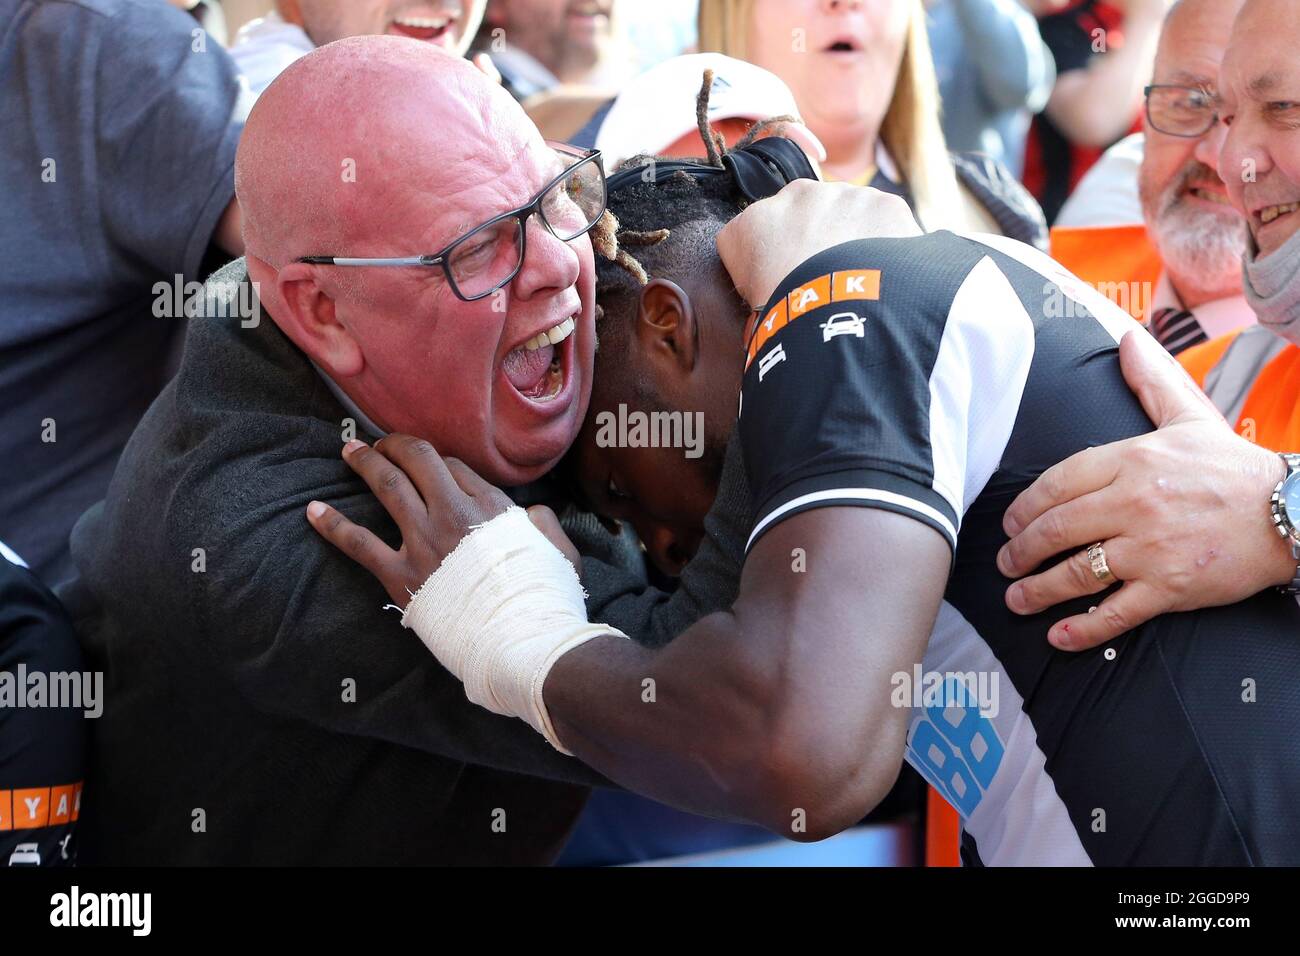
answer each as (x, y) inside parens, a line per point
(264, 47)
(1108, 193)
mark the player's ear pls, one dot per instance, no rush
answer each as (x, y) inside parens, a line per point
(665, 323)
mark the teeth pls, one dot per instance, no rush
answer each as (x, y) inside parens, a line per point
(552, 336)
(1270, 213)
(1211, 196)
(423, 23)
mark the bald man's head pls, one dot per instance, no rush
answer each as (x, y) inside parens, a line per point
(328, 143)
(379, 147)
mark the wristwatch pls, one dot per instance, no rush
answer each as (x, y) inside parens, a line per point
(1285, 505)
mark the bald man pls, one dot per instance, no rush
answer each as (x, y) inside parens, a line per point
(261, 710)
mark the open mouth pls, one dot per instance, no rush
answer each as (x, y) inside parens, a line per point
(1210, 195)
(429, 29)
(1273, 213)
(588, 9)
(538, 369)
(843, 45)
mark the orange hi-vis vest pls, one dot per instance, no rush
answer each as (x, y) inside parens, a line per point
(1253, 377)
(1117, 261)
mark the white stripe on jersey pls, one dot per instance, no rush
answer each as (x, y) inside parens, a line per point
(990, 768)
(856, 494)
(987, 332)
(11, 556)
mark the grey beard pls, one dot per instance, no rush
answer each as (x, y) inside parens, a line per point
(1272, 287)
(1201, 251)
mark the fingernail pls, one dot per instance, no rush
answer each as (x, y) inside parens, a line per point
(1004, 563)
(315, 509)
(1060, 637)
(1016, 597)
(353, 445)
(1011, 526)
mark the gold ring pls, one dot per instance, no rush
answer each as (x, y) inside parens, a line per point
(1097, 559)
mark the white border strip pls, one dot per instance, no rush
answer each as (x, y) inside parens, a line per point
(857, 494)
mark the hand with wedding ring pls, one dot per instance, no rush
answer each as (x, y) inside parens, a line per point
(1180, 515)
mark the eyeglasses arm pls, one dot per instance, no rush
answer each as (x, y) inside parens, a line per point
(341, 261)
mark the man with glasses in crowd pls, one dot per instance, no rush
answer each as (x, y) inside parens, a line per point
(1190, 220)
(262, 711)
(1179, 269)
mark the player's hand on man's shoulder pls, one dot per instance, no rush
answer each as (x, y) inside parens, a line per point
(767, 241)
(435, 502)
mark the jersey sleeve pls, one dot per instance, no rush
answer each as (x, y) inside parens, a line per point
(884, 373)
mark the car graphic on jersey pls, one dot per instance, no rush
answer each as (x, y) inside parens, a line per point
(843, 323)
(770, 361)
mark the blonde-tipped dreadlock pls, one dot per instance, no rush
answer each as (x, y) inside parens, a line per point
(608, 240)
(713, 141)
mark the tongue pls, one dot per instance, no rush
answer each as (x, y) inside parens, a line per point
(527, 369)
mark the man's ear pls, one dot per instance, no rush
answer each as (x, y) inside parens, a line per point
(665, 323)
(309, 318)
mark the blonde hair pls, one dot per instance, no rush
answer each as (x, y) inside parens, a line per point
(910, 129)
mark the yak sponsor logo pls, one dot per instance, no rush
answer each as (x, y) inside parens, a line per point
(130, 910)
(772, 323)
(855, 285)
(846, 285)
(809, 296)
(36, 807)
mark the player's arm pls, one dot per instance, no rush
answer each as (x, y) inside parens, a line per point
(776, 711)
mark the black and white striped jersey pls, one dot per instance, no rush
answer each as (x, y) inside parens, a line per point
(937, 377)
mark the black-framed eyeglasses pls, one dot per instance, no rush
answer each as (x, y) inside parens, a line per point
(490, 255)
(1180, 110)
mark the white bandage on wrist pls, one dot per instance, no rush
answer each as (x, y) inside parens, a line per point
(498, 613)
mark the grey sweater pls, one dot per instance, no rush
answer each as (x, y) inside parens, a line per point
(260, 706)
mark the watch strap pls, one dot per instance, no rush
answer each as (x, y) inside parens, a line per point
(1292, 462)
(1294, 586)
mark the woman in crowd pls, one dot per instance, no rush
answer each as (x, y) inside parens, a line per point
(863, 78)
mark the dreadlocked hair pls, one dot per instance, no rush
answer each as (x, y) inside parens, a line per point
(672, 223)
